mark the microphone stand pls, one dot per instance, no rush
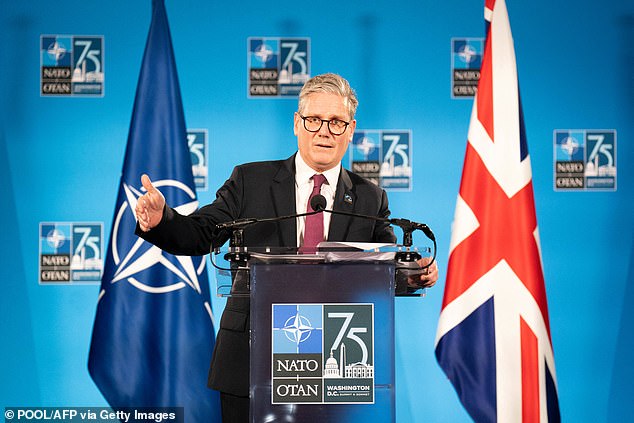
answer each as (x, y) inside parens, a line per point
(236, 242)
(407, 226)
(240, 254)
(408, 258)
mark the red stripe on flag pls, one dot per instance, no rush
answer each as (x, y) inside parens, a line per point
(530, 374)
(489, 4)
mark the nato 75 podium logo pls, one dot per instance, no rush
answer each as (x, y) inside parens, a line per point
(70, 252)
(322, 353)
(277, 67)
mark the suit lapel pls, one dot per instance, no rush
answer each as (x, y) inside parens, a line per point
(283, 195)
(345, 199)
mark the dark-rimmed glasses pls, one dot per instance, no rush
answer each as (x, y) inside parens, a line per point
(314, 124)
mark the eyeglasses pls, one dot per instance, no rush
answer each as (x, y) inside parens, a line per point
(335, 126)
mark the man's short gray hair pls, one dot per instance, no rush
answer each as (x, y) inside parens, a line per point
(329, 83)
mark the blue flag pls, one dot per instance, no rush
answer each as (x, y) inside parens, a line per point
(153, 335)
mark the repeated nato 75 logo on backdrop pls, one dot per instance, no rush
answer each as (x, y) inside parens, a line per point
(71, 65)
(277, 67)
(70, 252)
(198, 148)
(584, 159)
(383, 156)
(466, 61)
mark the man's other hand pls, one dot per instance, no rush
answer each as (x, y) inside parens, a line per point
(429, 275)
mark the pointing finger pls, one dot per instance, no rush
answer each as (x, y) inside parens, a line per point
(147, 184)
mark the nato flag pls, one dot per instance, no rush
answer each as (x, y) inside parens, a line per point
(153, 335)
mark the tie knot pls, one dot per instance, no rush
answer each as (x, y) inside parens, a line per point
(318, 180)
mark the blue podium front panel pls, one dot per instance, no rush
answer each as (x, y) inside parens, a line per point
(322, 342)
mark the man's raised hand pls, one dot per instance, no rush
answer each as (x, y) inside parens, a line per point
(149, 208)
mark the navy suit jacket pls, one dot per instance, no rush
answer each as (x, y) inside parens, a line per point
(262, 190)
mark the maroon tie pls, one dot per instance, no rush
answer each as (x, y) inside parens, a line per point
(314, 230)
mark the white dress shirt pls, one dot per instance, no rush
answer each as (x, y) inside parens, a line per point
(303, 189)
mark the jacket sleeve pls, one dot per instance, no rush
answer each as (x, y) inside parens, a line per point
(196, 234)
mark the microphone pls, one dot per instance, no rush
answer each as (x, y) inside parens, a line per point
(236, 223)
(242, 223)
(318, 203)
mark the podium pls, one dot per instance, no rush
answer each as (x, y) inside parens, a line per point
(321, 336)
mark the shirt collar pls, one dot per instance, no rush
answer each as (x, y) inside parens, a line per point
(303, 172)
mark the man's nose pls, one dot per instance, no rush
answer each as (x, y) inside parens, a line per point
(324, 130)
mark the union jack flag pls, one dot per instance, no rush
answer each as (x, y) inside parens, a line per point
(493, 340)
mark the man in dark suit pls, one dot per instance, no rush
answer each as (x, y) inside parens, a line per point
(324, 125)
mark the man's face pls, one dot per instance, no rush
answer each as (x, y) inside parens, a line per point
(322, 150)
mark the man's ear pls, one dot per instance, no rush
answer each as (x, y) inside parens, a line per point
(296, 120)
(353, 126)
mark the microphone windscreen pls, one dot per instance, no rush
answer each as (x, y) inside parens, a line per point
(318, 202)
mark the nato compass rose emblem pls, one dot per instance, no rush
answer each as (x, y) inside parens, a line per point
(570, 146)
(133, 256)
(297, 329)
(56, 51)
(365, 146)
(467, 53)
(55, 238)
(264, 53)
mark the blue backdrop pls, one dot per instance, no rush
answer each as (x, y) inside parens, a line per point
(61, 158)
